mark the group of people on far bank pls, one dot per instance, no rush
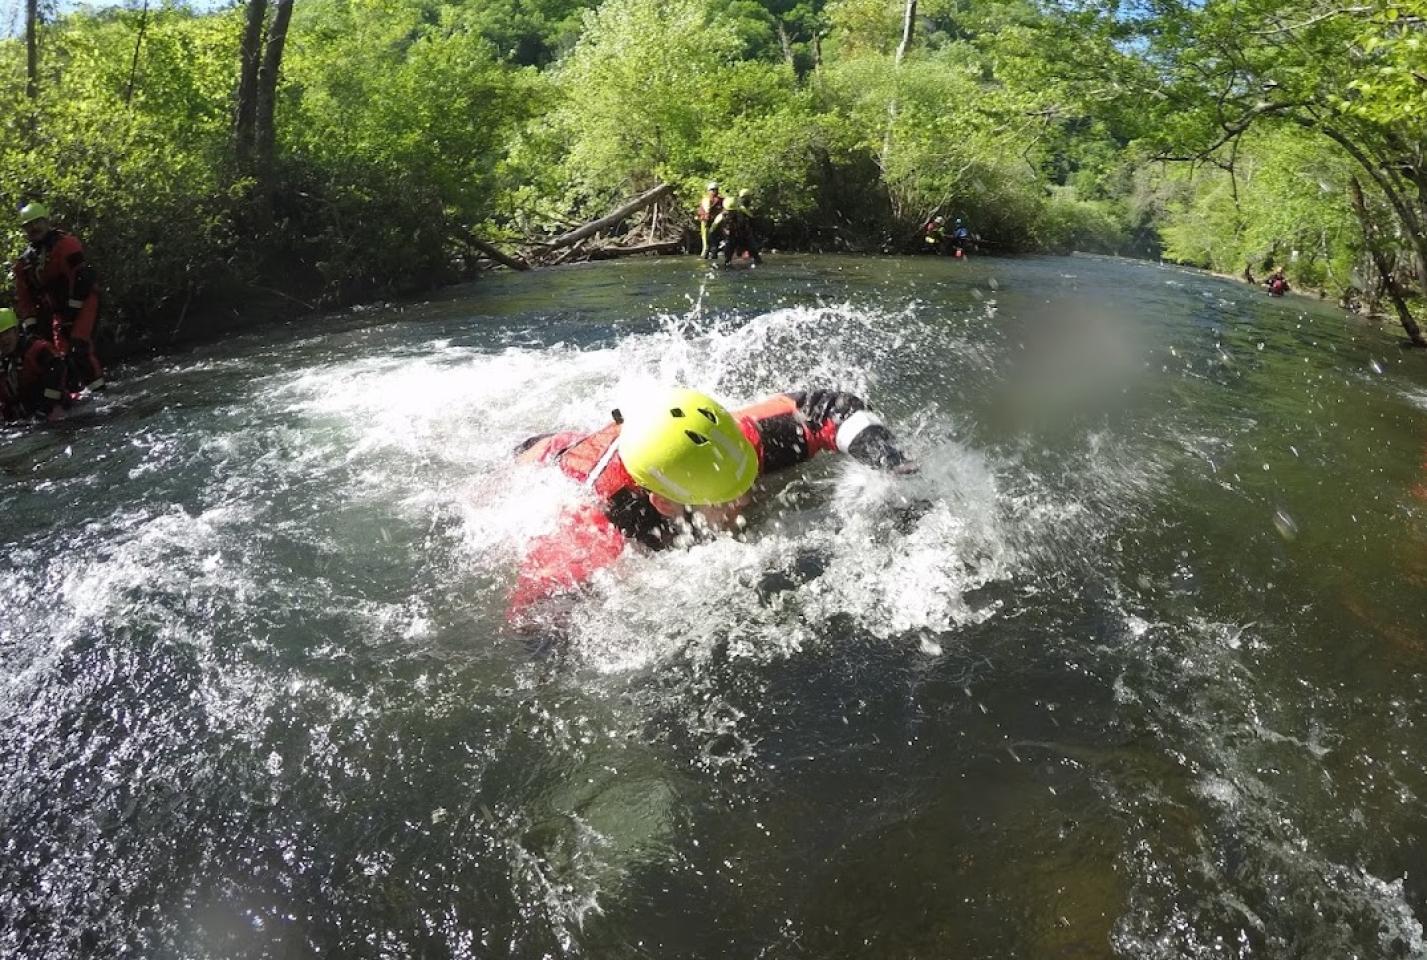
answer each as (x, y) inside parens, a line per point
(954, 240)
(47, 347)
(726, 226)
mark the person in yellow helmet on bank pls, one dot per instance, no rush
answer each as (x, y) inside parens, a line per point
(57, 294)
(32, 373)
(735, 228)
(682, 462)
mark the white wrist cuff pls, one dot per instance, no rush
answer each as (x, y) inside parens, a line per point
(76, 304)
(853, 426)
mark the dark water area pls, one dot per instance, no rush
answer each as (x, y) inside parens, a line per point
(1134, 667)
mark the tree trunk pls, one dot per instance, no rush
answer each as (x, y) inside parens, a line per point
(1406, 215)
(264, 119)
(909, 19)
(1384, 269)
(784, 42)
(493, 252)
(245, 99)
(909, 22)
(612, 252)
(569, 253)
(138, 44)
(264, 135)
(595, 226)
(32, 48)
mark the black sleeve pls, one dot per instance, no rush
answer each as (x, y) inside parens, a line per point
(635, 517)
(785, 442)
(827, 410)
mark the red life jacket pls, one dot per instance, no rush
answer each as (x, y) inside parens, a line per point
(709, 207)
(579, 455)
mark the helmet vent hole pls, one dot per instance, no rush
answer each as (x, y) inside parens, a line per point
(709, 414)
(698, 438)
(675, 412)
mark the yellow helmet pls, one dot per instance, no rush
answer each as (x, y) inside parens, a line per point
(8, 319)
(33, 211)
(686, 447)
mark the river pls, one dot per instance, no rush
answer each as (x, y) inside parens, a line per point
(1134, 667)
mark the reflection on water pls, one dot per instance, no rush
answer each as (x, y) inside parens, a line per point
(1132, 668)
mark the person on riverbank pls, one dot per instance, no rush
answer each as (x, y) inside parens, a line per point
(960, 239)
(32, 373)
(934, 233)
(57, 290)
(679, 466)
(1277, 283)
(735, 230)
(709, 208)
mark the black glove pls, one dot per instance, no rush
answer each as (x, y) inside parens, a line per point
(874, 447)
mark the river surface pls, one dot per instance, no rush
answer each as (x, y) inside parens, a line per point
(1135, 667)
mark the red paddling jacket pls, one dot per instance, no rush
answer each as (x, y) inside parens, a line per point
(52, 276)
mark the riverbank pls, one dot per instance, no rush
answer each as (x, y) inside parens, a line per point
(1345, 302)
(239, 308)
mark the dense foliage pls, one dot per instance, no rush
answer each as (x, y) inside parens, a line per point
(1227, 133)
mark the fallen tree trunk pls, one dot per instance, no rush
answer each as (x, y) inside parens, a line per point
(567, 254)
(595, 226)
(495, 253)
(660, 246)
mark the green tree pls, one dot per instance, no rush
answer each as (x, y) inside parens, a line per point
(657, 91)
(395, 131)
(1222, 68)
(135, 179)
(1283, 202)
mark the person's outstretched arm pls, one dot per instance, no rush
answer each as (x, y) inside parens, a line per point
(792, 427)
